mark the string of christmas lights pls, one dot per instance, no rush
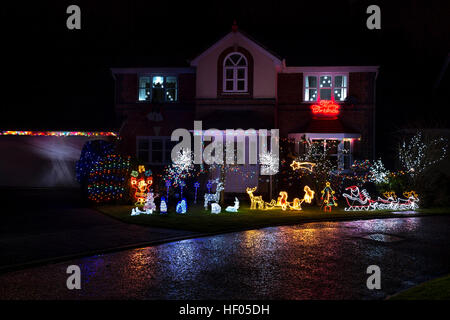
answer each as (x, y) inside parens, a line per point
(59, 133)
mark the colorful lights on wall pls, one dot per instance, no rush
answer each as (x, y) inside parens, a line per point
(59, 133)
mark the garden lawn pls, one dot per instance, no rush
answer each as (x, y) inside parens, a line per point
(199, 220)
(437, 289)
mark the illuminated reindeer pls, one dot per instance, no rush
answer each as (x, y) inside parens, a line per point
(410, 202)
(214, 197)
(255, 200)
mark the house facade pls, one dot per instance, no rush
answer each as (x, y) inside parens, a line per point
(238, 83)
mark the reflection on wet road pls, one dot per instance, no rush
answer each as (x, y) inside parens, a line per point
(309, 261)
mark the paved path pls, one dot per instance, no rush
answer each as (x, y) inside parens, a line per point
(45, 224)
(325, 260)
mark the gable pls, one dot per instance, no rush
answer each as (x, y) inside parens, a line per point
(236, 39)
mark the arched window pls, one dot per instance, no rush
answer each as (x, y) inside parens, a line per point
(235, 73)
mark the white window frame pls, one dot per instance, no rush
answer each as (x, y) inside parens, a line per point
(235, 72)
(150, 148)
(320, 74)
(164, 76)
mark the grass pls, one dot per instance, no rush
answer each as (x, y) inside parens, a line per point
(437, 289)
(197, 219)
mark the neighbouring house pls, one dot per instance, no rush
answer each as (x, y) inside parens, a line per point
(238, 83)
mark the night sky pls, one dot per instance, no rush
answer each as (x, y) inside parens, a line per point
(59, 79)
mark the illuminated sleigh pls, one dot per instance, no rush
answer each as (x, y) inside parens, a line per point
(358, 201)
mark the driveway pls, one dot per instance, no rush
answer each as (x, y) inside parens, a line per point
(326, 260)
(42, 224)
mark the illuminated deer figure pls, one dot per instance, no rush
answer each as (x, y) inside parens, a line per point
(255, 200)
(214, 197)
(410, 202)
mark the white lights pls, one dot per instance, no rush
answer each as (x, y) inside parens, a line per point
(419, 153)
(233, 208)
(269, 163)
(213, 197)
(378, 173)
(215, 208)
(361, 201)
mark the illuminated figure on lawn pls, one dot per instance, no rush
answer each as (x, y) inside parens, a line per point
(215, 208)
(281, 202)
(141, 184)
(148, 208)
(150, 205)
(181, 206)
(296, 204)
(358, 201)
(163, 205)
(329, 200)
(309, 194)
(233, 208)
(214, 197)
(255, 200)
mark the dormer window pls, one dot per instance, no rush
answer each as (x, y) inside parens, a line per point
(235, 73)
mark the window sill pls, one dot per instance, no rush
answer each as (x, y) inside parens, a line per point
(234, 92)
(307, 101)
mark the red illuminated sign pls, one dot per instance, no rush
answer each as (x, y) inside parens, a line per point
(326, 108)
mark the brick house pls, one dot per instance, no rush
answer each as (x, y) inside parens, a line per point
(238, 83)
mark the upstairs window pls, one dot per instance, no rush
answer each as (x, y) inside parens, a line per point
(158, 89)
(235, 73)
(325, 87)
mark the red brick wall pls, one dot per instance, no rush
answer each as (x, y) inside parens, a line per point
(126, 88)
(289, 88)
(361, 86)
(186, 87)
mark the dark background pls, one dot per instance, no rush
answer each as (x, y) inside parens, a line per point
(59, 79)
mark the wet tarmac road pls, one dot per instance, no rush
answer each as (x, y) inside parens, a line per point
(309, 261)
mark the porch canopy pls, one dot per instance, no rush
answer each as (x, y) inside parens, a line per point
(325, 129)
(330, 129)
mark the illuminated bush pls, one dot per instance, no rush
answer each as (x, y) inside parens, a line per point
(108, 179)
